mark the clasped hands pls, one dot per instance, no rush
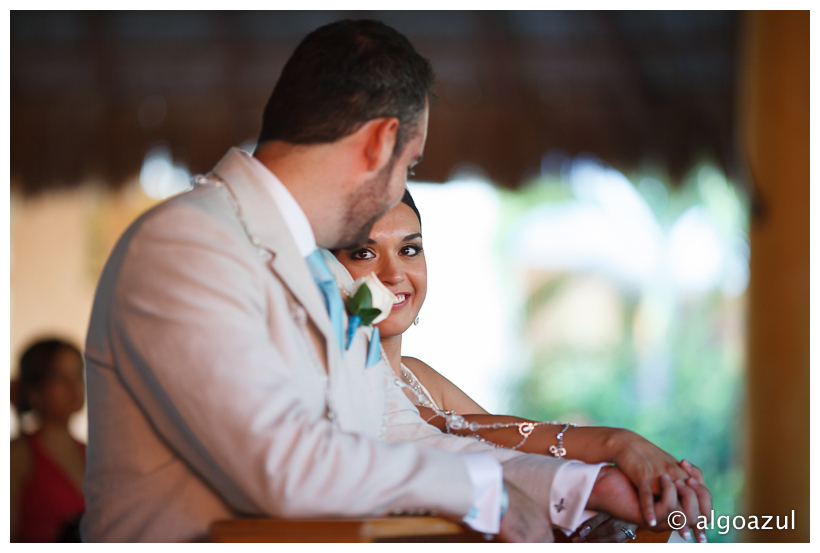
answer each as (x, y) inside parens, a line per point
(621, 503)
(643, 488)
(646, 485)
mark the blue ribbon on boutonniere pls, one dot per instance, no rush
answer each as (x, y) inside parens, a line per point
(374, 350)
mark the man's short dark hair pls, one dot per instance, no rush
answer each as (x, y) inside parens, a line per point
(343, 75)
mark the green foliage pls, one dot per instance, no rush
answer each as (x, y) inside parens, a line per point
(688, 399)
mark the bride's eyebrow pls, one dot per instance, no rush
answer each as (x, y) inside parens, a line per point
(407, 238)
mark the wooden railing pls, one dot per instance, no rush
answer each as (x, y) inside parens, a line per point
(404, 528)
(388, 529)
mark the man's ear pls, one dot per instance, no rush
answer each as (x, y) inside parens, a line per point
(380, 142)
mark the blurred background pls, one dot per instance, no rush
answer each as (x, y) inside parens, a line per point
(615, 207)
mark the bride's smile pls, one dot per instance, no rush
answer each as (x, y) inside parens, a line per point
(402, 300)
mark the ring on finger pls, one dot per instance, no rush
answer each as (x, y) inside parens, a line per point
(628, 532)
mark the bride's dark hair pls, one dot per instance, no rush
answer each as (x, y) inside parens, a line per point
(407, 199)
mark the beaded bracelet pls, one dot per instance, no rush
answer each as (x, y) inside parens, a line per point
(455, 422)
(559, 450)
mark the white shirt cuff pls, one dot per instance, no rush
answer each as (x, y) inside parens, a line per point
(570, 493)
(486, 476)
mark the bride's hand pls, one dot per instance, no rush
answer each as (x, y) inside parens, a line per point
(644, 463)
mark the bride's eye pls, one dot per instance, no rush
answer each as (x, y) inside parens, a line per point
(411, 250)
(362, 254)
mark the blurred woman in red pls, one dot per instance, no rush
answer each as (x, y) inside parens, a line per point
(47, 466)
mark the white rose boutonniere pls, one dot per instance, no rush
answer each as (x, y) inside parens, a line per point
(370, 302)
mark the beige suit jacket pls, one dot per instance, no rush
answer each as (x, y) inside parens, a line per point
(216, 388)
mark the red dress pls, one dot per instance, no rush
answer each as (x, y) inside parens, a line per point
(49, 498)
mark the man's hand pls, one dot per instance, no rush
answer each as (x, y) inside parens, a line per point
(603, 528)
(613, 493)
(524, 521)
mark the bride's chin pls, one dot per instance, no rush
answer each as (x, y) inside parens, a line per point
(390, 330)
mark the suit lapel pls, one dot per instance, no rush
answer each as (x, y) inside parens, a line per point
(268, 230)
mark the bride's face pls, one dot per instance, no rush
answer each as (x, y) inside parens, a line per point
(394, 252)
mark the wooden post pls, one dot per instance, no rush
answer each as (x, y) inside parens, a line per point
(774, 118)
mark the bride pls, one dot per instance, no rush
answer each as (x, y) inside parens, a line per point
(394, 252)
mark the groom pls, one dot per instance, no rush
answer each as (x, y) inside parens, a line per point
(218, 385)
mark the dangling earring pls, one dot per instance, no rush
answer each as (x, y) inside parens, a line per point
(416, 322)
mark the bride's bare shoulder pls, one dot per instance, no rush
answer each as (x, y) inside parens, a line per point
(420, 368)
(446, 394)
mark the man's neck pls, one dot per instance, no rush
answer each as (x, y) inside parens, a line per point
(288, 162)
(312, 176)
